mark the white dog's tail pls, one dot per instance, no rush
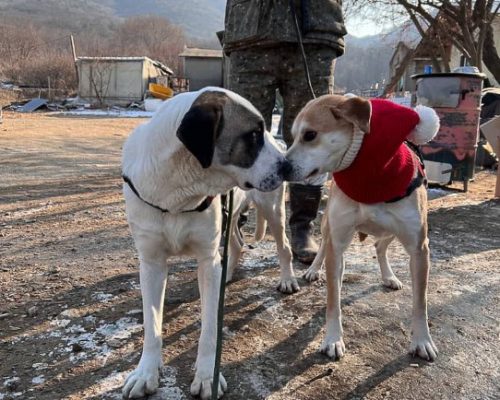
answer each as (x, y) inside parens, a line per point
(260, 226)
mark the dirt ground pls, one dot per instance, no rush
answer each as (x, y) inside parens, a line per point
(70, 318)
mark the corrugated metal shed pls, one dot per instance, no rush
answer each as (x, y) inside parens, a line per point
(117, 80)
(203, 67)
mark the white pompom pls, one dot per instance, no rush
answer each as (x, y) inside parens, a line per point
(428, 126)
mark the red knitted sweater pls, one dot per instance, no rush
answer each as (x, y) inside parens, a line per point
(384, 165)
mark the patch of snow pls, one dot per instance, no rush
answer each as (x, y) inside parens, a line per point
(40, 366)
(434, 193)
(115, 113)
(8, 381)
(60, 323)
(90, 319)
(257, 382)
(102, 297)
(38, 380)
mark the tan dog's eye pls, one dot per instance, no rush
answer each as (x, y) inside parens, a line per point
(309, 136)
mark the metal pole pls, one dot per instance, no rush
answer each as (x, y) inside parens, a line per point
(497, 188)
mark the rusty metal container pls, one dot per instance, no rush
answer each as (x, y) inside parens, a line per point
(456, 97)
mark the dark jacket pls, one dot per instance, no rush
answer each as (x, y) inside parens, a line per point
(251, 23)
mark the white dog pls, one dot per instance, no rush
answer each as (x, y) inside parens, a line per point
(378, 191)
(196, 146)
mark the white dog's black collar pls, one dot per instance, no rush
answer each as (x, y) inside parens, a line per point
(202, 207)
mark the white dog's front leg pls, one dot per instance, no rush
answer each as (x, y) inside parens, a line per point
(144, 379)
(209, 275)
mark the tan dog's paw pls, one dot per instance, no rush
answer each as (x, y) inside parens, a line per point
(288, 286)
(393, 283)
(312, 274)
(333, 349)
(203, 387)
(424, 348)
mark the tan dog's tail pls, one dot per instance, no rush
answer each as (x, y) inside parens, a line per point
(260, 227)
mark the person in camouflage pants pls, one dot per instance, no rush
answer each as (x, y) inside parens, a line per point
(264, 56)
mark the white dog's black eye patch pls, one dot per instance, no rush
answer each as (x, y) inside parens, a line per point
(246, 148)
(201, 126)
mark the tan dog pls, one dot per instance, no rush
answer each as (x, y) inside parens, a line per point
(326, 133)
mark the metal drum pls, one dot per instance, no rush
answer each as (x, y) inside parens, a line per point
(456, 97)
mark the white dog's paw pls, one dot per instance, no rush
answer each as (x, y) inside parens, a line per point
(202, 386)
(423, 347)
(288, 286)
(392, 283)
(333, 349)
(312, 274)
(142, 381)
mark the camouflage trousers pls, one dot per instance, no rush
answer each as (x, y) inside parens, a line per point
(257, 73)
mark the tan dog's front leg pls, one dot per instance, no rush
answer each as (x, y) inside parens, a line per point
(421, 340)
(333, 343)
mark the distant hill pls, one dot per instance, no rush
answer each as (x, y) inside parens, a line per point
(199, 18)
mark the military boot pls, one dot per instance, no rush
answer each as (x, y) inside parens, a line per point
(304, 204)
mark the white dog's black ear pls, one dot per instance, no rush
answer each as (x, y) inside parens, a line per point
(199, 130)
(355, 110)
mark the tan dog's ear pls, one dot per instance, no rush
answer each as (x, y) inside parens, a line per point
(355, 110)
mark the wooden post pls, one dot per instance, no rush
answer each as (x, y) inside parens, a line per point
(73, 50)
(497, 188)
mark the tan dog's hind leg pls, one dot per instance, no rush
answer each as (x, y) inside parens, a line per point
(313, 272)
(275, 214)
(260, 226)
(388, 277)
(236, 243)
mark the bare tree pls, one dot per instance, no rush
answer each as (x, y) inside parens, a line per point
(100, 78)
(465, 24)
(151, 36)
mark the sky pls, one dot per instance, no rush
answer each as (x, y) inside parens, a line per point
(360, 27)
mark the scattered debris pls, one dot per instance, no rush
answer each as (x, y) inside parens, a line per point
(33, 105)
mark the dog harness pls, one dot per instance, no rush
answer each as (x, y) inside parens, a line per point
(201, 207)
(421, 177)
